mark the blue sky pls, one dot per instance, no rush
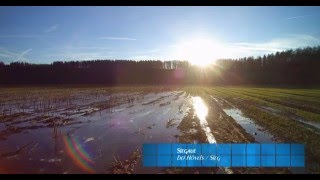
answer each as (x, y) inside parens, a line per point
(47, 34)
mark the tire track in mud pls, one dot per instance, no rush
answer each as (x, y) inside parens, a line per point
(285, 130)
(212, 126)
(157, 100)
(223, 127)
(283, 113)
(222, 105)
(310, 125)
(225, 131)
(305, 104)
(193, 131)
(297, 93)
(260, 134)
(281, 104)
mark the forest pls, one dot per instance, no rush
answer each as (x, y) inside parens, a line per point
(291, 67)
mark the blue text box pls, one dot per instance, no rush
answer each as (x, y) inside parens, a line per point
(268, 161)
(297, 161)
(253, 149)
(297, 149)
(268, 149)
(239, 149)
(225, 161)
(193, 163)
(197, 147)
(283, 161)
(223, 149)
(164, 161)
(253, 160)
(209, 163)
(229, 155)
(239, 161)
(175, 147)
(209, 149)
(178, 162)
(283, 149)
(149, 149)
(150, 161)
(164, 149)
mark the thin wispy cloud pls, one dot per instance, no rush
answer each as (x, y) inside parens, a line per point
(146, 57)
(5, 55)
(117, 38)
(151, 54)
(246, 49)
(151, 51)
(298, 17)
(52, 28)
(139, 57)
(24, 53)
(88, 47)
(290, 41)
(79, 56)
(11, 56)
(261, 47)
(146, 51)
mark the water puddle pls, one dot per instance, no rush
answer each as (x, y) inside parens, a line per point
(259, 134)
(302, 120)
(62, 146)
(250, 127)
(201, 110)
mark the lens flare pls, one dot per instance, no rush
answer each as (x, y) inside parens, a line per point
(78, 155)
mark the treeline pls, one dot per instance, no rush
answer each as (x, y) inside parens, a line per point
(292, 67)
(92, 72)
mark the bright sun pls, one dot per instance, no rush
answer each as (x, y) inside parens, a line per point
(201, 52)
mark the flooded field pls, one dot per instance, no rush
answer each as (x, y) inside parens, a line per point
(102, 129)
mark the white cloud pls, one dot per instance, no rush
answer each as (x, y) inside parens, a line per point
(52, 28)
(118, 38)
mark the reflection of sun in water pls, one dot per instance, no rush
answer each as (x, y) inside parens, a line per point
(201, 52)
(201, 109)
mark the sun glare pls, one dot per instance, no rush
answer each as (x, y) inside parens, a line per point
(201, 109)
(201, 52)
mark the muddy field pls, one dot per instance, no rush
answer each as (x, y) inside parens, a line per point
(102, 129)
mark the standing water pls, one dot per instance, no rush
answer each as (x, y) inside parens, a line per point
(201, 111)
(247, 124)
